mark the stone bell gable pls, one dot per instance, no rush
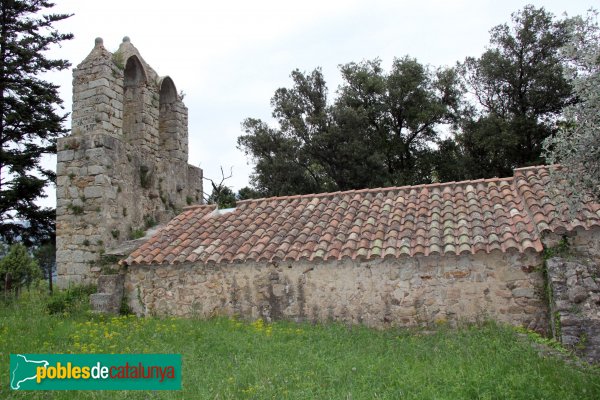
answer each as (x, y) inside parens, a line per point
(124, 166)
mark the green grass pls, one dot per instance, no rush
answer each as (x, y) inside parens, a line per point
(229, 359)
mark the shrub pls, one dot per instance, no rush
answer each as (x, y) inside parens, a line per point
(17, 269)
(149, 221)
(145, 177)
(124, 309)
(137, 234)
(70, 300)
(77, 210)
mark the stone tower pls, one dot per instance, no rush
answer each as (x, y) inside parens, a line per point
(124, 166)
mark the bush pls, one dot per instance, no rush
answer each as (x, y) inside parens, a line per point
(17, 269)
(137, 234)
(70, 300)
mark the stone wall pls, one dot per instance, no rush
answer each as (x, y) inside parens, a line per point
(574, 294)
(410, 291)
(124, 166)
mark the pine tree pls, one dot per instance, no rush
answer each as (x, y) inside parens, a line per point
(30, 122)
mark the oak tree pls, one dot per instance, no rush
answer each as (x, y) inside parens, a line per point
(519, 92)
(378, 132)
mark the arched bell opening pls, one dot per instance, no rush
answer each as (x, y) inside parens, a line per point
(134, 82)
(168, 124)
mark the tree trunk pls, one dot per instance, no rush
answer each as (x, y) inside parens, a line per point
(50, 278)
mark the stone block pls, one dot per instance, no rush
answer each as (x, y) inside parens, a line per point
(454, 293)
(457, 274)
(75, 268)
(91, 192)
(104, 303)
(82, 95)
(101, 179)
(62, 257)
(572, 280)
(116, 104)
(161, 272)
(578, 294)
(107, 126)
(111, 193)
(524, 292)
(511, 273)
(73, 192)
(78, 239)
(65, 155)
(111, 284)
(98, 82)
(96, 169)
(106, 90)
(96, 153)
(116, 122)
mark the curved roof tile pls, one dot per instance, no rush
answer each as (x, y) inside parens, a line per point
(507, 214)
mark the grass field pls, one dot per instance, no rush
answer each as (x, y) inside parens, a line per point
(229, 359)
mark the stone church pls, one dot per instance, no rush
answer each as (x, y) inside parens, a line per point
(398, 256)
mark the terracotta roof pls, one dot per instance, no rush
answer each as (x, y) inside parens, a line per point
(507, 214)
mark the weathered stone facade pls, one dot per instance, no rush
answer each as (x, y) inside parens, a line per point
(574, 295)
(124, 166)
(507, 287)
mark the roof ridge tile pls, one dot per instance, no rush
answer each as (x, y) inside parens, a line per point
(449, 218)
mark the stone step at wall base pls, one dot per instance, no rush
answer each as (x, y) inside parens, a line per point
(111, 284)
(105, 303)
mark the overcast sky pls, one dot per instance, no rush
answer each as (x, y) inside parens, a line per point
(229, 57)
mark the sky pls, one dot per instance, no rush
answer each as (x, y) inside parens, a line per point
(229, 57)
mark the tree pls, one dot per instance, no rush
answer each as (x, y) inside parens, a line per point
(519, 92)
(247, 192)
(378, 132)
(397, 116)
(30, 124)
(577, 144)
(45, 255)
(221, 195)
(285, 161)
(17, 269)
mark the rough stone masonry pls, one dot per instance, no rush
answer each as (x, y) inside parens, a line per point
(124, 166)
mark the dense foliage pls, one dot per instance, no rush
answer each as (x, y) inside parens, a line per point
(222, 196)
(519, 92)
(17, 269)
(417, 124)
(378, 132)
(577, 144)
(30, 123)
